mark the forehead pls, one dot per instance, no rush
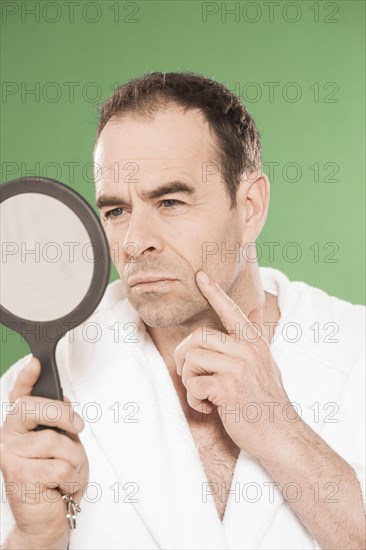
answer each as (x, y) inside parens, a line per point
(173, 143)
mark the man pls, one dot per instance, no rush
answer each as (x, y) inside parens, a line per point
(222, 447)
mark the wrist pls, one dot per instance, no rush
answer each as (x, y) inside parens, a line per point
(285, 440)
(17, 540)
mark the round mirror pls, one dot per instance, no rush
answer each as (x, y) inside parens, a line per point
(46, 257)
(55, 265)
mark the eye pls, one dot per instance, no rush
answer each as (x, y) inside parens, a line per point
(177, 203)
(115, 213)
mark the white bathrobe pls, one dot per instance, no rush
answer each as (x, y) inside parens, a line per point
(147, 485)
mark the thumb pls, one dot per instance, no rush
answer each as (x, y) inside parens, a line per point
(26, 379)
(256, 318)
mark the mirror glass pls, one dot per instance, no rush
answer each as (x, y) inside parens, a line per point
(45, 274)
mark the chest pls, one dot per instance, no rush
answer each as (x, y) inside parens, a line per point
(218, 454)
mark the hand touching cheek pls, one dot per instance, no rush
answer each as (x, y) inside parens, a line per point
(236, 373)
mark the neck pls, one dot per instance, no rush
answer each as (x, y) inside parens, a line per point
(247, 292)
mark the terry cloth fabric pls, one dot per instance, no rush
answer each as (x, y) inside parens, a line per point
(147, 487)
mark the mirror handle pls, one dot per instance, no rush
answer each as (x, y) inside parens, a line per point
(48, 384)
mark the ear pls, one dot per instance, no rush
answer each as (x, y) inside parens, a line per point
(254, 195)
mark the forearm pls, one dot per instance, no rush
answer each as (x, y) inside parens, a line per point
(325, 495)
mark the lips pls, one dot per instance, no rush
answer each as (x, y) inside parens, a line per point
(135, 280)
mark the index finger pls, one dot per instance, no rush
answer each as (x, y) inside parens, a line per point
(228, 311)
(28, 412)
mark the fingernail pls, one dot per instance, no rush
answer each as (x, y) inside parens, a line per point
(29, 367)
(203, 278)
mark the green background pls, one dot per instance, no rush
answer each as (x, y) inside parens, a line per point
(312, 126)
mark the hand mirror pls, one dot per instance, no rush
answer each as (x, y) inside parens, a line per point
(55, 267)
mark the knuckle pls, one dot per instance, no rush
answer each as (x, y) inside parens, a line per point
(76, 450)
(190, 384)
(194, 384)
(49, 439)
(226, 382)
(188, 357)
(229, 383)
(24, 401)
(192, 356)
(240, 364)
(64, 472)
(48, 469)
(52, 412)
(20, 401)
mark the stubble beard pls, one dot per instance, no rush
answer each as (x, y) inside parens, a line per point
(168, 311)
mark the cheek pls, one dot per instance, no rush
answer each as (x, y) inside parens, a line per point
(185, 249)
(221, 253)
(115, 238)
(203, 247)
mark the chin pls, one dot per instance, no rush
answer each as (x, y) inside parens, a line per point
(164, 315)
(157, 320)
(159, 311)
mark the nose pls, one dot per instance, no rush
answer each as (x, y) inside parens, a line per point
(142, 236)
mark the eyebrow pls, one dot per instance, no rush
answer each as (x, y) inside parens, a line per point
(165, 189)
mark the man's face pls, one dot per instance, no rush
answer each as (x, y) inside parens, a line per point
(166, 236)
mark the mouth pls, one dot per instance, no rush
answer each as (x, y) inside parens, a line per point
(150, 283)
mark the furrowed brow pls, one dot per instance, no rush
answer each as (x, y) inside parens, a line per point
(168, 188)
(108, 200)
(165, 189)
